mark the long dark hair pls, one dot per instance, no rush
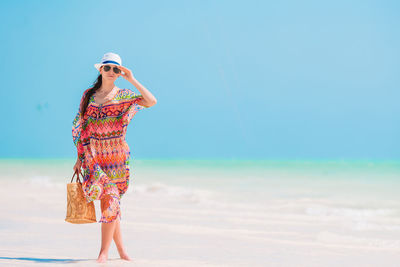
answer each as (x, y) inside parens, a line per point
(96, 86)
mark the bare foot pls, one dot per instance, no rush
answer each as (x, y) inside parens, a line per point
(102, 258)
(124, 256)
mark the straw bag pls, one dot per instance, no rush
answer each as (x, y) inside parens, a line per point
(78, 210)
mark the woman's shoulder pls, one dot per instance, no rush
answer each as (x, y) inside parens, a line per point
(85, 92)
(126, 93)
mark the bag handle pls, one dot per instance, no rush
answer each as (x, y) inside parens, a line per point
(77, 177)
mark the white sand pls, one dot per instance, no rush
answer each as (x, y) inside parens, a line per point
(165, 225)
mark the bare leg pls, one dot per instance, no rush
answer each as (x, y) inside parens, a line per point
(118, 241)
(107, 232)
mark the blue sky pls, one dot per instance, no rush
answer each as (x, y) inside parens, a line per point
(233, 79)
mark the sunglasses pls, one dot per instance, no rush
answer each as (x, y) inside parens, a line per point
(115, 69)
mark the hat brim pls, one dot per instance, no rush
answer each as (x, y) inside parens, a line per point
(98, 65)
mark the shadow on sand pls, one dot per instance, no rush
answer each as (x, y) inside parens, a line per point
(44, 260)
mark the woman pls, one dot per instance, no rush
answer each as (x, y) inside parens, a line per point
(98, 131)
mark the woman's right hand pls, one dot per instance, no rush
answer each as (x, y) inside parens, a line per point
(77, 167)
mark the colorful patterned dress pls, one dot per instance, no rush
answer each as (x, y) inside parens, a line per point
(99, 136)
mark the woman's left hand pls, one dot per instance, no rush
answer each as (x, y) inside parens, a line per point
(127, 73)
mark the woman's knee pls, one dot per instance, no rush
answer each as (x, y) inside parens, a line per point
(110, 201)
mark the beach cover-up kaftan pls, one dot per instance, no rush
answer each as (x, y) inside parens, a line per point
(99, 136)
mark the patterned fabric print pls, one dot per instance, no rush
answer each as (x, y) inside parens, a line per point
(99, 136)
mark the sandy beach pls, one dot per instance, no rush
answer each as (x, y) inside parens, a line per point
(187, 215)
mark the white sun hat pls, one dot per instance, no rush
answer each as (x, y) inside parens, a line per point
(109, 58)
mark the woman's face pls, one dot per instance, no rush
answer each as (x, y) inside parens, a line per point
(110, 75)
